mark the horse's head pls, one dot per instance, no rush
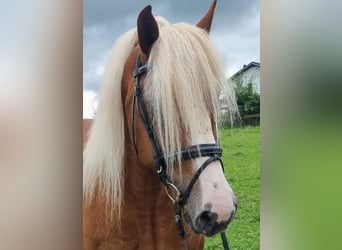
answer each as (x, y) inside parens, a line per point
(178, 103)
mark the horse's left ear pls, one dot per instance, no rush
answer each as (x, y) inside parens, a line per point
(207, 19)
(148, 31)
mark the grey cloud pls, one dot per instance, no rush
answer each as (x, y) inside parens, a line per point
(105, 11)
(105, 21)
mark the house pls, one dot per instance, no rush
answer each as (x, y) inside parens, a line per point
(249, 73)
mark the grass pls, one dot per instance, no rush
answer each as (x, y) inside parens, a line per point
(241, 157)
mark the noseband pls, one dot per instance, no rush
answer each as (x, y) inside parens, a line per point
(213, 151)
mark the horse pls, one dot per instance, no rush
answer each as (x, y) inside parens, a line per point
(151, 154)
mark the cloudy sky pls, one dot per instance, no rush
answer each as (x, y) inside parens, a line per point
(235, 33)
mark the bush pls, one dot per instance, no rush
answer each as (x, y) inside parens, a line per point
(247, 99)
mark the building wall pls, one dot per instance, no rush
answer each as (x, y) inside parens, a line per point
(252, 75)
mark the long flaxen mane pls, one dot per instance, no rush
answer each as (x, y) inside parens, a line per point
(183, 83)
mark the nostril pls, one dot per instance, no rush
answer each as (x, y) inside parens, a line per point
(204, 218)
(206, 221)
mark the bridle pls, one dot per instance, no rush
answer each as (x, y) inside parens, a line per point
(213, 151)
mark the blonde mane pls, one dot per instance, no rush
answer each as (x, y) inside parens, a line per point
(104, 152)
(184, 82)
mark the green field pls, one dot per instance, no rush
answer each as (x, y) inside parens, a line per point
(241, 157)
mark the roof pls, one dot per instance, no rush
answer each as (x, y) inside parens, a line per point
(245, 68)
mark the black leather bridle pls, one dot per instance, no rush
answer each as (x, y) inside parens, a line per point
(213, 151)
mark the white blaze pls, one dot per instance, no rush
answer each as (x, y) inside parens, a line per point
(214, 187)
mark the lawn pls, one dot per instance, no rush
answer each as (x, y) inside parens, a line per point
(241, 157)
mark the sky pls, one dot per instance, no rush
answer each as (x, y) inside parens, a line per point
(235, 33)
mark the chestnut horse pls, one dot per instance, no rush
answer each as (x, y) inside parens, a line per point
(155, 138)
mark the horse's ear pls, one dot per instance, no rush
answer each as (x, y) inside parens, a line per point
(205, 22)
(148, 31)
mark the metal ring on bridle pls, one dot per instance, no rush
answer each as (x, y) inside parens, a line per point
(178, 194)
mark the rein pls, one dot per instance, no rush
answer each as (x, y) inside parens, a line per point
(213, 151)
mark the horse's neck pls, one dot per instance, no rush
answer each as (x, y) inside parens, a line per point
(145, 197)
